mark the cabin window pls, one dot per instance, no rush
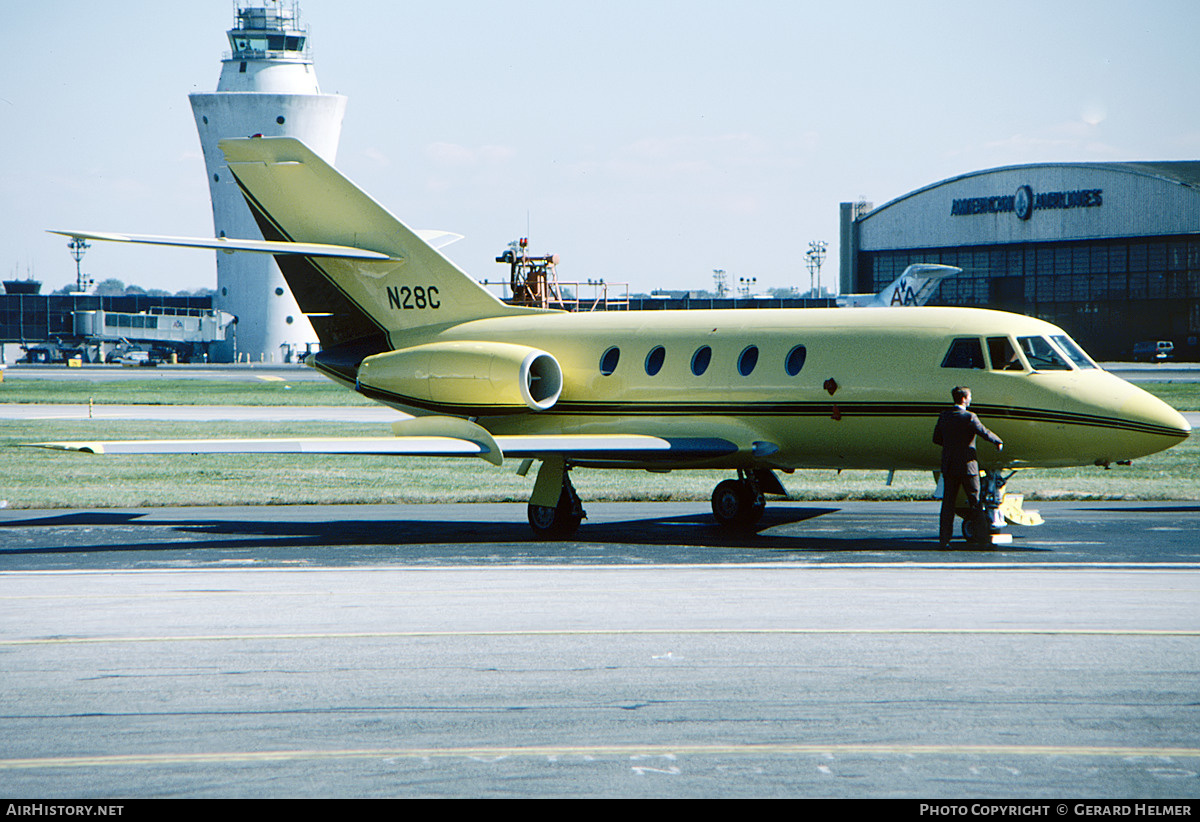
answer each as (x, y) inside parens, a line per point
(965, 352)
(701, 359)
(1004, 355)
(1072, 350)
(795, 360)
(654, 360)
(608, 362)
(1041, 355)
(747, 360)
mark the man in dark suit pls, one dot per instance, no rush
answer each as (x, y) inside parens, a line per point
(955, 431)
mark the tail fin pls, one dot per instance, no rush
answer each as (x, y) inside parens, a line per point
(914, 287)
(353, 304)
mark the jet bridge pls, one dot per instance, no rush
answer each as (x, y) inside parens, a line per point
(176, 329)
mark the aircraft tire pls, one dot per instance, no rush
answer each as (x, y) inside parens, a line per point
(736, 505)
(559, 522)
(973, 532)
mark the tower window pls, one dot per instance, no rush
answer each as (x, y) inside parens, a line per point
(242, 68)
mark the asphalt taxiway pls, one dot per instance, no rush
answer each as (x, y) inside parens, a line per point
(438, 651)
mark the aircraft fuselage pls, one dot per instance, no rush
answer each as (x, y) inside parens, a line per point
(797, 388)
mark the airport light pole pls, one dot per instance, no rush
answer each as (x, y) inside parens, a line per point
(719, 282)
(79, 247)
(813, 259)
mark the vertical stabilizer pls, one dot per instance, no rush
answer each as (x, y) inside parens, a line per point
(914, 287)
(296, 196)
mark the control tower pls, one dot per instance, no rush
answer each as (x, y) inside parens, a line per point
(268, 86)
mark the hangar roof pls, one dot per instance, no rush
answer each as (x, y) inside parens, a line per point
(1072, 201)
(1183, 172)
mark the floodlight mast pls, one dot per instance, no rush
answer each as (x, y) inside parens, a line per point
(813, 259)
(79, 247)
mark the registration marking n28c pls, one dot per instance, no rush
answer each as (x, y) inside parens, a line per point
(418, 297)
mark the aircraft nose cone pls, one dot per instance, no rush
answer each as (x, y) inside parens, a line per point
(1153, 424)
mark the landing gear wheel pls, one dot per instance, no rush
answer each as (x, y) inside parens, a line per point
(559, 522)
(975, 532)
(736, 504)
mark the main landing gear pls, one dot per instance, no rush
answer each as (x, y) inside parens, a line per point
(737, 504)
(561, 520)
(740, 503)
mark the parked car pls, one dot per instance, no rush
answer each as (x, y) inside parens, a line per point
(1153, 350)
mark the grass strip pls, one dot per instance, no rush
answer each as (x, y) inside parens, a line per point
(37, 478)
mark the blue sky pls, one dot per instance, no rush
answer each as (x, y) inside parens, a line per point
(648, 142)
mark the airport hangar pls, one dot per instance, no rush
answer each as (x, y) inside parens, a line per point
(1108, 251)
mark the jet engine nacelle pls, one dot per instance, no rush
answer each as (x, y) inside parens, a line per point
(490, 376)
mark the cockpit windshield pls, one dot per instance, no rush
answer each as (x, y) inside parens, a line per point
(1072, 350)
(1004, 356)
(1042, 355)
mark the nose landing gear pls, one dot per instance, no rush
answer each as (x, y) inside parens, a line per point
(986, 525)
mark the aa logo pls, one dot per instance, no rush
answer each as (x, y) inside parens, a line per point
(903, 295)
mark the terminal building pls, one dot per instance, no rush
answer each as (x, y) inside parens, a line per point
(1108, 251)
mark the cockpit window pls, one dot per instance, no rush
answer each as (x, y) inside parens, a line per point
(1041, 355)
(1072, 350)
(965, 352)
(1004, 356)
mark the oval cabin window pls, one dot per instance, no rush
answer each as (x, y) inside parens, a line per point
(608, 362)
(795, 360)
(654, 360)
(747, 360)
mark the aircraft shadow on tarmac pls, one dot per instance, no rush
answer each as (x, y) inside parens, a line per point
(468, 538)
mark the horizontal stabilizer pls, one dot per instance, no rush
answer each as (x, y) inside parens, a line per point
(226, 244)
(437, 239)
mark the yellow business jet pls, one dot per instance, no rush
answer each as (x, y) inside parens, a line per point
(751, 391)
